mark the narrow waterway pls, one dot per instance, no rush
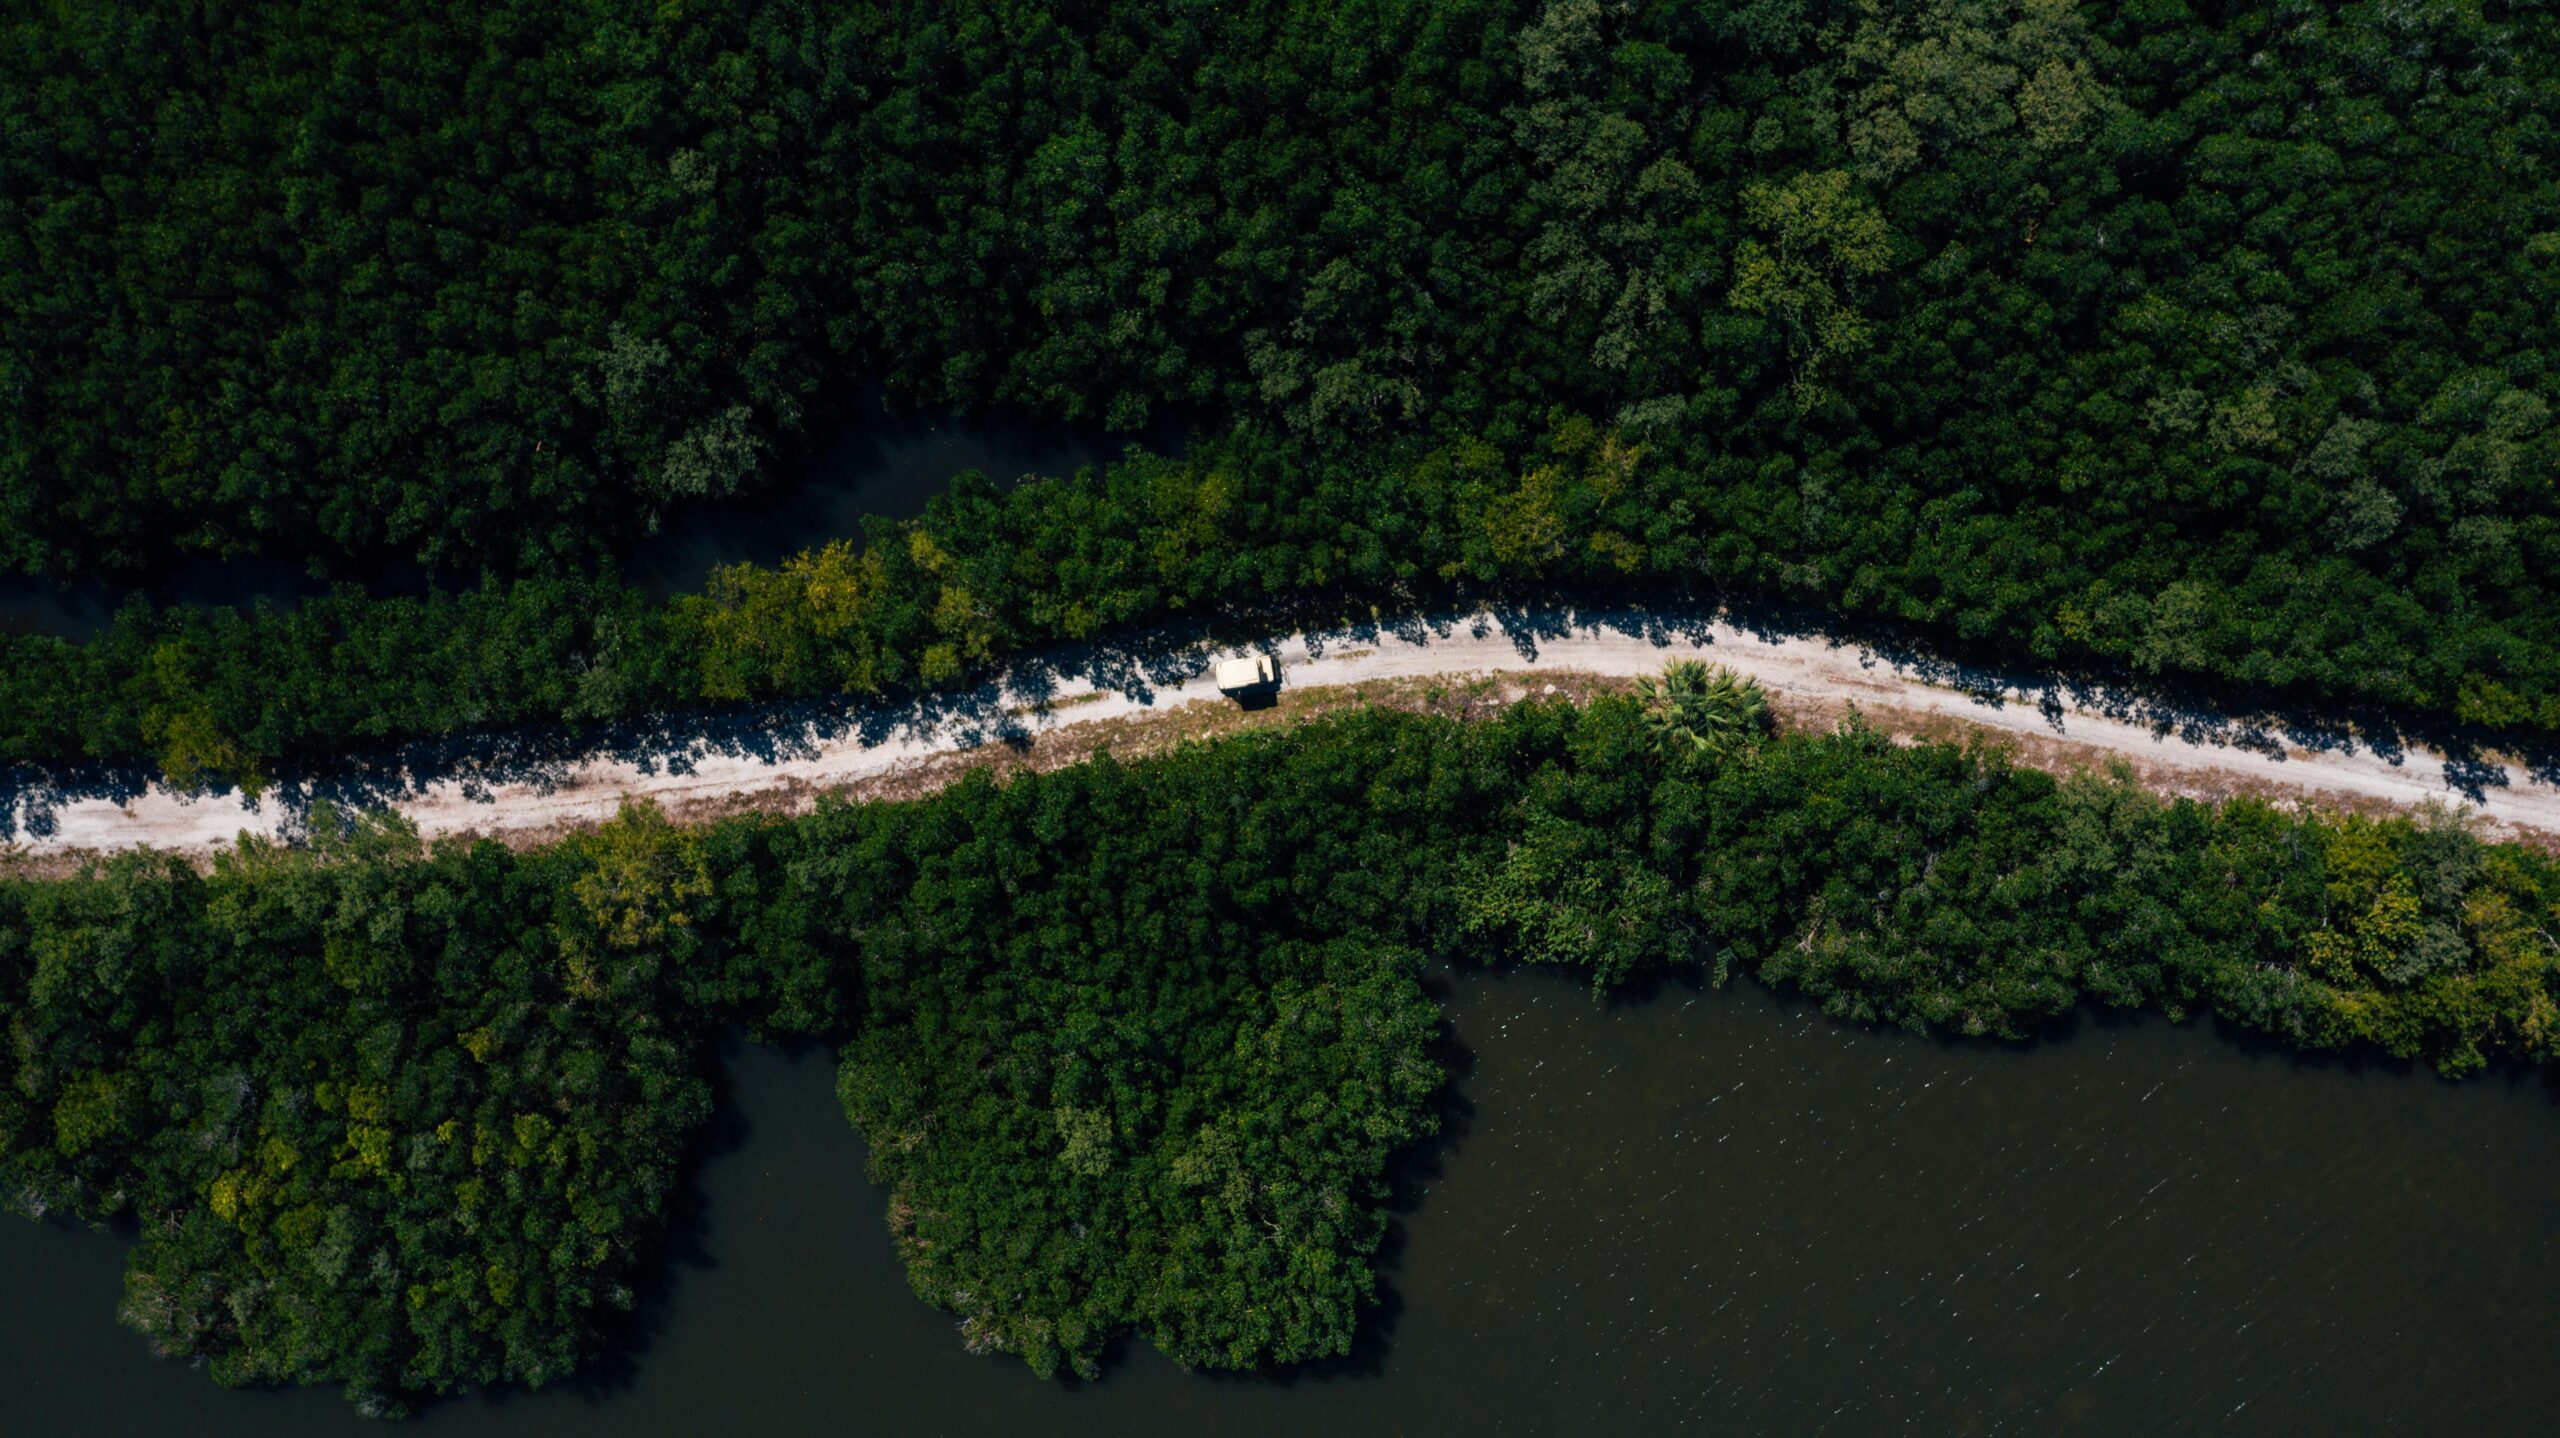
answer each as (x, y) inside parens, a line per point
(882, 463)
(1703, 1212)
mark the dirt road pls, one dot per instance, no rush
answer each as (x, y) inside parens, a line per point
(782, 758)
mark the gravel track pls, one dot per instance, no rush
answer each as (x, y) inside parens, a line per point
(780, 757)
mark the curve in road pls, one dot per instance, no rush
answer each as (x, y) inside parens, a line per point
(798, 751)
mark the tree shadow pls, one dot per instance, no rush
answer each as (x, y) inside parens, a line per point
(2358, 1062)
(1007, 706)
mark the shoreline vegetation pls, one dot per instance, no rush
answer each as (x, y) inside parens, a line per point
(1131, 1043)
(2204, 345)
(2184, 342)
(208, 696)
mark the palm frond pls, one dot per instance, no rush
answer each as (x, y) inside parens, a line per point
(1704, 709)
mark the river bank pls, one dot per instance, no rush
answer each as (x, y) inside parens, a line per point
(1692, 1210)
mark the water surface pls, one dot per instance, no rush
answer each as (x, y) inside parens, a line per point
(883, 462)
(1712, 1212)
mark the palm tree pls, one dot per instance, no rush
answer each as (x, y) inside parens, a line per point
(1703, 709)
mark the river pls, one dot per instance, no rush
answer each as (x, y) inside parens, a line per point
(1702, 1211)
(882, 462)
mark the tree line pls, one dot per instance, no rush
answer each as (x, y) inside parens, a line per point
(1244, 530)
(1131, 1044)
(2207, 341)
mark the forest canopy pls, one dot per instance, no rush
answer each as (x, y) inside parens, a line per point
(2200, 341)
(1131, 1045)
(2196, 342)
(392, 1120)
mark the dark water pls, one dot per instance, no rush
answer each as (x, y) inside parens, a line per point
(79, 611)
(37, 606)
(32, 606)
(1713, 1214)
(882, 463)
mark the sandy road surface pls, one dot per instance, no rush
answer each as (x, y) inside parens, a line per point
(782, 757)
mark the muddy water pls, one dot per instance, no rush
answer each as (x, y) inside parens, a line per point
(1697, 1213)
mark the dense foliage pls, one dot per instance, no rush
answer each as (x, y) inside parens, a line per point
(1135, 1044)
(397, 1121)
(334, 280)
(1941, 889)
(2207, 340)
(1131, 1044)
(2210, 340)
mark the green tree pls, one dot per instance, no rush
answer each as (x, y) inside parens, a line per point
(1818, 239)
(1694, 707)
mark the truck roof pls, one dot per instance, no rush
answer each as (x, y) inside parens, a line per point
(1246, 672)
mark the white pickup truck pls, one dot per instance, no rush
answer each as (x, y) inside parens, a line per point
(1242, 676)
